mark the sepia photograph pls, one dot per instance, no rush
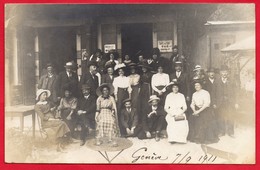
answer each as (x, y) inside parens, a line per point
(130, 83)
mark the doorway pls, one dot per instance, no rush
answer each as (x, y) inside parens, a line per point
(136, 40)
(57, 46)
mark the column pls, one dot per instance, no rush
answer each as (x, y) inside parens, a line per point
(78, 48)
(15, 58)
(37, 63)
(99, 37)
(155, 44)
(119, 39)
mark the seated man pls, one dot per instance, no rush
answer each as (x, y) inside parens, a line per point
(128, 119)
(86, 109)
(153, 120)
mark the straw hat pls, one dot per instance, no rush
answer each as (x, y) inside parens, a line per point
(109, 86)
(172, 83)
(197, 67)
(152, 98)
(40, 91)
(127, 100)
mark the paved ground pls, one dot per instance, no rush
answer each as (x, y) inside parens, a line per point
(147, 151)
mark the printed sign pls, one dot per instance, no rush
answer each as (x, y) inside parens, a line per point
(109, 47)
(165, 46)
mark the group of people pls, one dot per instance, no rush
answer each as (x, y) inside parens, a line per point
(121, 98)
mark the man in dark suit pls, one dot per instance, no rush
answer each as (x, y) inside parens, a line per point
(183, 80)
(128, 119)
(48, 81)
(109, 76)
(153, 120)
(86, 109)
(66, 79)
(212, 86)
(90, 77)
(227, 103)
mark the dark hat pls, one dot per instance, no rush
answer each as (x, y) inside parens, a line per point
(127, 100)
(211, 70)
(85, 86)
(49, 65)
(178, 63)
(132, 65)
(100, 88)
(109, 65)
(146, 65)
(156, 51)
(175, 47)
(224, 68)
(174, 82)
(197, 80)
(92, 63)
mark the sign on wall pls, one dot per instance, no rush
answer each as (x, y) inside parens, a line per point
(108, 47)
(165, 46)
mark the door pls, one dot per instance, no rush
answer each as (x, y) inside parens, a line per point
(137, 39)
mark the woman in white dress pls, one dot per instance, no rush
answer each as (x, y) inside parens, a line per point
(175, 106)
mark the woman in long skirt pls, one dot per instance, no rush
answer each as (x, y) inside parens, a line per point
(175, 106)
(145, 87)
(122, 87)
(134, 79)
(106, 115)
(201, 129)
(46, 111)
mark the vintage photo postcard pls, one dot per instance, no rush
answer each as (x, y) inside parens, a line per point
(130, 83)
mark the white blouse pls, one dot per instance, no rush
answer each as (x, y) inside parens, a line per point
(201, 98)
(175, 104)
(160, 80)
(134, 79)
(122, 82)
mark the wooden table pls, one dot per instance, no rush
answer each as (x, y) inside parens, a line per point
(21, 111)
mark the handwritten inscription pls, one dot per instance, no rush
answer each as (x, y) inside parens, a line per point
(186, 158)
(142, 154)
(138, 156)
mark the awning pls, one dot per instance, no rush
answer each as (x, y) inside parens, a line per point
(247, 44)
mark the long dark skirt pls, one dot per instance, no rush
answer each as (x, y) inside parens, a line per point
(162, 97)
(202, 128)
(144, 95)
(122, 94)
(135, 96)
(70, 123)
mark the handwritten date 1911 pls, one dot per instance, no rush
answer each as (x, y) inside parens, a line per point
(186, 158)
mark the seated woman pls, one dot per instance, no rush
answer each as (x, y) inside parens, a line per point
(45, 110)
(106, 115)
(175, 106)
(201, 126)
(67, 108)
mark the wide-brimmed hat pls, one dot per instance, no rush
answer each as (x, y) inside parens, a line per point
(127, 100)
(92, 63)
(197, 80)
(224, 68)
(85, 87)
(69, 65)
(152, 98)
(99, 89)
(174, 82)
(120, 66)
(40, 91)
